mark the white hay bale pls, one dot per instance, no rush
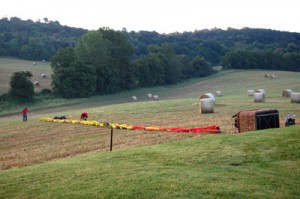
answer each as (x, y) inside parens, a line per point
(218, 93)
(155, 97)
(261, 91)
(36, 83)
(286, 93)
(259, 97)
(250, 92)
(267, 75)
(43, 75)
(295, 97)
(207, 105)
(34, 63)
(149, 96)
(134, 98)
(273, 76)
(208, 95)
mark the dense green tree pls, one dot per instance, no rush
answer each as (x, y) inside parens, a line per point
(72, 78)
(21, 88)
(109, 52)
(201, 67)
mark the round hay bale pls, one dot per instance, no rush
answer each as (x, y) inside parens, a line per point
(43, 75)
(155, 97)
(295, 97)
(273, 76)
(149, 95)
(134, 98)
(286, 93)
(250, 92)
(208, 95)
(34, 63)
(218, 93)
(36, 83)
(207, 105)
(267, 75)
(259, 97)
(260, 91)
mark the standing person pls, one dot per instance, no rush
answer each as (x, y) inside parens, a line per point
(84, 116)
(24, 111)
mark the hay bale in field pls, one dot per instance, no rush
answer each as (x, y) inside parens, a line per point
(259, 97)
(208, 95)
(43, 75)
(155, 97)
(206, 105)
(134, 98)
(260, 90)
(218, 93)
(34, 63)
(250, 92)
(286, 93)
(36, 83)
(267, 75)
(149, 95)
(273, 76)
(295, 97)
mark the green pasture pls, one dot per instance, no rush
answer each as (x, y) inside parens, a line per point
(8, 66)
(261, 164)
(53, 160)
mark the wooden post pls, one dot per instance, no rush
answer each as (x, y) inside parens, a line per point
(111, 138)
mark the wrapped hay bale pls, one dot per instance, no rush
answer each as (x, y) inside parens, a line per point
(259, 97)
(286, 93)
(155, 97)
(134, 98)
(149, 95)
(295, 97)
(250, 92)
(260, 91)
(43, 75)
(36, 83)
(207, 105)
(208, 95)
(218, 93)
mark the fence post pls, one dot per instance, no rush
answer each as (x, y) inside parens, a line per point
(111, 138)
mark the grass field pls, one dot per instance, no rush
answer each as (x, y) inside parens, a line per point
(262, 164)
(50, 160)
(8, 66)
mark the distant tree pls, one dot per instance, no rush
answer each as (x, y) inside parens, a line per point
(200, 67)
(72, 78)
(109, 52)
(21, 88)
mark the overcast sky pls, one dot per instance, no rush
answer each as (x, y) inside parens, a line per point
(163, 16)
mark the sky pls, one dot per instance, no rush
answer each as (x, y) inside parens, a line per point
(162, 16)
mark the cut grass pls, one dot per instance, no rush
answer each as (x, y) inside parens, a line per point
(262, 164)
(23, 144)
(8, 66)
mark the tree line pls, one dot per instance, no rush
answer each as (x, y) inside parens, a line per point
(101, 63)
(105, 61)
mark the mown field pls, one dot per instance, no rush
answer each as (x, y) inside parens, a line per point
(8, 66)
(71, 160)
(261, 164)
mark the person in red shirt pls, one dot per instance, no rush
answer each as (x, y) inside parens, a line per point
(24, 111)
(84, 116)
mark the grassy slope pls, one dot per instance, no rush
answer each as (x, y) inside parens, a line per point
(9, 65)
(262, 164)
(252, 164)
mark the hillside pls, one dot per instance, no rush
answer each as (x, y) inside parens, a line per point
(262, 164)
(41, 40)
(177, 107)
(8, 66)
